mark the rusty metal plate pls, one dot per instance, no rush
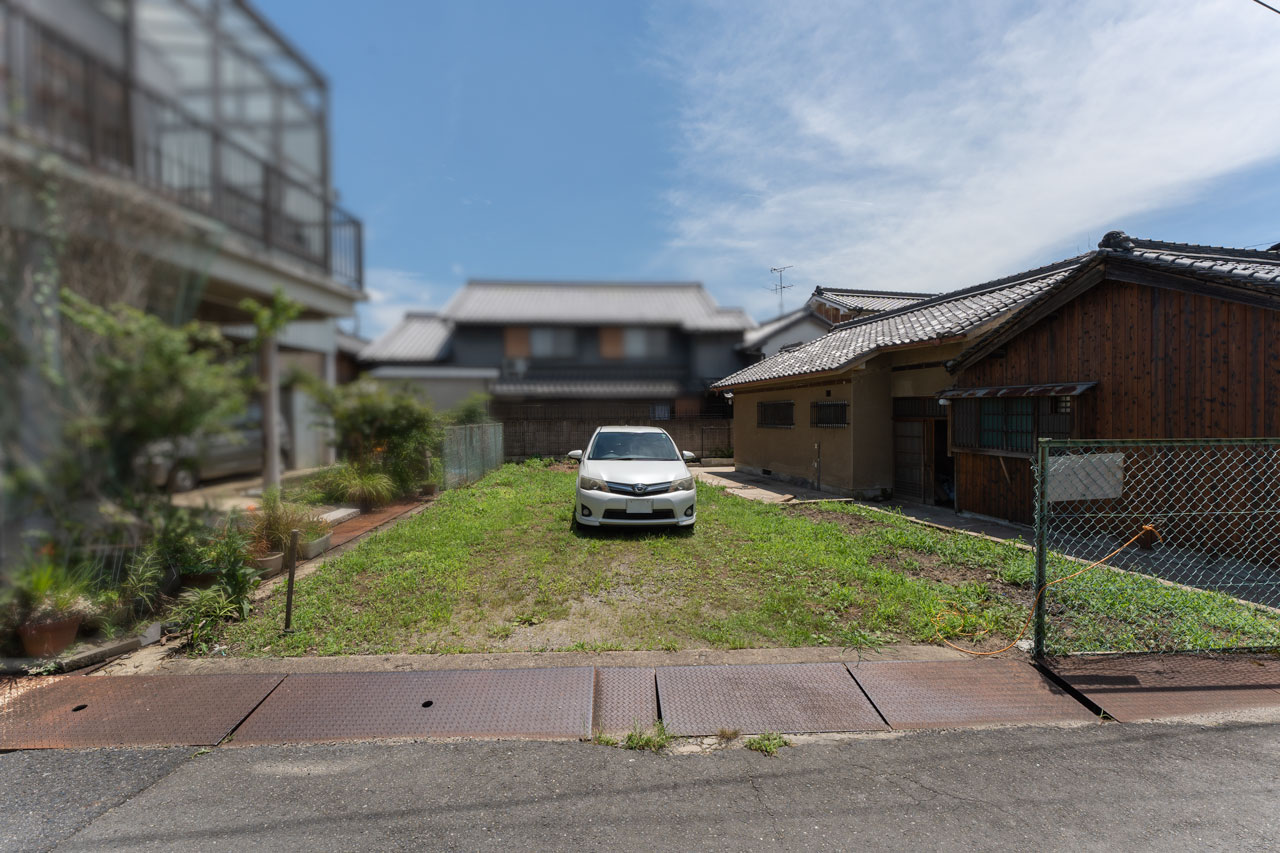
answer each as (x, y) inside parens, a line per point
(528, 703)
(625, 698)
(945, 694)
(1146, 687)
(803, 697)
(132, 710)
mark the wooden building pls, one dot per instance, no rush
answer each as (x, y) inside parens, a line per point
(944, 399)
(1144, 340)
(856, 412)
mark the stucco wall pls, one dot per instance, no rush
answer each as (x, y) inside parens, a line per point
(856, 459)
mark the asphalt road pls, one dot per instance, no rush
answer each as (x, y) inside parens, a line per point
(1160, 787)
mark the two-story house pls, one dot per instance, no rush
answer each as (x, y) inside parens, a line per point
(560, 358)
(205, 125)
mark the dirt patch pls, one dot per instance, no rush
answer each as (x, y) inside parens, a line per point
(854, 524)
(934, 568)
(920, 564)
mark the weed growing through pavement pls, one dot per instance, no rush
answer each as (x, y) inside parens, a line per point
(769, 743)
(654, 740)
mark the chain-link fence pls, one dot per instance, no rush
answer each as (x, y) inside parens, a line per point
(470, 452)
(1189, 532)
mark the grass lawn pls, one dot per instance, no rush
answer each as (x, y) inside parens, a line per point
(496, 567)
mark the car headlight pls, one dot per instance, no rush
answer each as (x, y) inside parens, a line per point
(683, 485)
(591, 484)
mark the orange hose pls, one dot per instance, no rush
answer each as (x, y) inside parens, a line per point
(955, 610)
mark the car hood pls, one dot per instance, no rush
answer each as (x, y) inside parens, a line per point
(633, 471)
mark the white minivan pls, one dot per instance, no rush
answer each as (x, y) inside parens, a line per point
(634, 475)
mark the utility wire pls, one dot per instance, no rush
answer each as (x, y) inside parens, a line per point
(1265, 6)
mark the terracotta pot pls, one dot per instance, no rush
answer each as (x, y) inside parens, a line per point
(46, 639)
(314, 548)
(270, 564)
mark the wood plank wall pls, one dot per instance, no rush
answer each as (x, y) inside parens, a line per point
(1168, 363)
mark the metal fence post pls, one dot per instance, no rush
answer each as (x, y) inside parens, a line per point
(1042, 522)
(291, 559)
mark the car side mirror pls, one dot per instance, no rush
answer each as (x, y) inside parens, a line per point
(575, 454)
(688, 456)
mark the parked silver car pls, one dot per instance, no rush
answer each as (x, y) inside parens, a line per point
(634, 475)
(181, 465)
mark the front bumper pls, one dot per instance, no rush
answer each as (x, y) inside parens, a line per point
(607, 508)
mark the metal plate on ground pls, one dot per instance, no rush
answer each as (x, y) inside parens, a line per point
(528, 703)
(132, 710)
(805, 697)
(944, 694)
(625, 698)
(1147, 687)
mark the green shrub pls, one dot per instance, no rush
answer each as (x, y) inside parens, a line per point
(473, 410)
(383, 430)
(179, 540)
(368, 489)
(146, 380)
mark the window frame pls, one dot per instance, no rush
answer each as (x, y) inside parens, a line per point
(557, 335)
(841, 406)
(791, 414)
(971, 432)
(645, 342)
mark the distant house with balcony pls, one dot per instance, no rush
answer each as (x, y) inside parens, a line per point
(560, 358)
(203, 116)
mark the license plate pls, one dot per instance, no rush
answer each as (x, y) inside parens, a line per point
(639, 506)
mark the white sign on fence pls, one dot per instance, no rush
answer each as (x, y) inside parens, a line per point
(1087, 477)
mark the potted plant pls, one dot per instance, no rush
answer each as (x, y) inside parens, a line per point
(271, 527)
(51, 601)
(316, 536)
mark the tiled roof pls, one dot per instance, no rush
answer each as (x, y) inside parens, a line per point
(417, 338)
(963, 312)
(777, 324)
(869, 300)
(586, 389)
(1247, 266)
(683, 304)
(946, 315)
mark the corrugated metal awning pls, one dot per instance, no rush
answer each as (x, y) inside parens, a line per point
(1061, 389)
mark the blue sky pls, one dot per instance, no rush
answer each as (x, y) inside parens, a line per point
(905, 145)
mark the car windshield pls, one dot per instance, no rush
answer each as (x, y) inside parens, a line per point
(634, 445)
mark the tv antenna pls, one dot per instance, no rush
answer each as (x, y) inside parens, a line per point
(779, 287)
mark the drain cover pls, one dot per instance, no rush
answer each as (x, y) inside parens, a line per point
(131, 710)
(530, 703)
(1146, 687)
(626, 698)
(941, 694)
(806, 697)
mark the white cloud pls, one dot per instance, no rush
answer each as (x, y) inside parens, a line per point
(931, 146)
(391, 293)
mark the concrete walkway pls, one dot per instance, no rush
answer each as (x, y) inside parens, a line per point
(771, 490)
(233, 493)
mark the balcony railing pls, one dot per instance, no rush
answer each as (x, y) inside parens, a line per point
(63, 98)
